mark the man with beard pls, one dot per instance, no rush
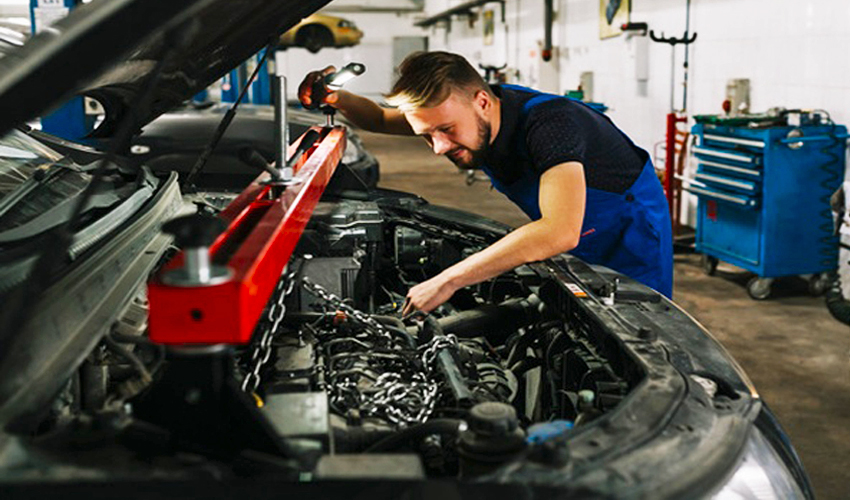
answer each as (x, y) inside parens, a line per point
(587, 188)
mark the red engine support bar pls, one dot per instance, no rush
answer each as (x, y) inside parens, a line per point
(262, 232)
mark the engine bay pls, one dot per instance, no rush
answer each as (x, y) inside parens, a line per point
(494, 375)
(345, 357)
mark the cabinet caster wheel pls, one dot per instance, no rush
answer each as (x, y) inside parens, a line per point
(819, 284)
(709, 264)
(759, 288)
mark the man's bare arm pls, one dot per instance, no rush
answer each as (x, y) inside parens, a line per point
(562, 201)
(367, 115)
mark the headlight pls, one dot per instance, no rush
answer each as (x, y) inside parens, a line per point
(761, 475)
(353, 152)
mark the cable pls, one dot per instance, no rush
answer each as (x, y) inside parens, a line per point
(417, 431)
(188, 183)
(829, 247)
(128, 355)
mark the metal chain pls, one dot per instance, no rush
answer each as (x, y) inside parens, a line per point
(401, 399)
(262, 350)
(402, 402)
(338, 303)
(433, 348)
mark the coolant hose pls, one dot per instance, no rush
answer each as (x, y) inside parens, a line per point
(496, 322)
(418, 431)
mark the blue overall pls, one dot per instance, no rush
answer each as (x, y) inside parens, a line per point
(628, 232)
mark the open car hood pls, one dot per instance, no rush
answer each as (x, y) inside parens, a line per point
(106, 49)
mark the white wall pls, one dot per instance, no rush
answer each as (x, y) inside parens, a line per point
(375, 51)
(793, 51)
(14, 8)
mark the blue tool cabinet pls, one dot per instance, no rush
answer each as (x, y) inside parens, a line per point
(763, 199)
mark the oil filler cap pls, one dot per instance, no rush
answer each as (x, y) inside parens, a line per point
(492, 438)
(492, 419)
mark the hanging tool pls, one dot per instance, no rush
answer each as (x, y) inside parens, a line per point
(686, 40)
(493, 74)
(673, 118)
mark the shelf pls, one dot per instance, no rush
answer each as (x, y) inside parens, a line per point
(458, 10)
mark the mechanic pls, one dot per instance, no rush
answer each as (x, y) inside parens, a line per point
(586, 186)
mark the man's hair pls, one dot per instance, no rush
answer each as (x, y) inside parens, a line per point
(426, 79)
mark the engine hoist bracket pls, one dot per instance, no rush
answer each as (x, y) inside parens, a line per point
(264, 224)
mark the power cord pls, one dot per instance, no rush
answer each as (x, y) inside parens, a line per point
(829, 247)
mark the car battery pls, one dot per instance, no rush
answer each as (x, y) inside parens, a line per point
(763, 198)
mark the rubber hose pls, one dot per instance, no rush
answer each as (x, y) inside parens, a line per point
(390, 321)
(396, 326)
(496, 322)
(418, 431)
(130, 357)
(431, 328)
(522, 366)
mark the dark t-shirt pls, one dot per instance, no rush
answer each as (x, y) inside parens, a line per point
(559, 131)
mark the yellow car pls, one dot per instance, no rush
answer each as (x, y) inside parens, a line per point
(320, 30)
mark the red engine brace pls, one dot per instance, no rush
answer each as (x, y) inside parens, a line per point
(262, 232)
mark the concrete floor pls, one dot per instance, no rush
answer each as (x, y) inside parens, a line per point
(792, 349)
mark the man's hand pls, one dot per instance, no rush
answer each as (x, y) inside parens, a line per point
(562, 199)
(305, 90)
(361, 111)
(426, 296)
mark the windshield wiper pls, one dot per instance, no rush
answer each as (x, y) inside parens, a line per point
(38, 177)
(19, 307)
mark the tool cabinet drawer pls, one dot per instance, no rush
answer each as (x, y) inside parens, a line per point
(726, 183)
(730, 170)
(732, 142)
(738, 158)
(717, 195)
(730, 230)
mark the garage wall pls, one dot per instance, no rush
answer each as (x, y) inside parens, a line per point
(791, 50)
(375, 51)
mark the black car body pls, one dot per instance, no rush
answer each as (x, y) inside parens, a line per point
(544, 382)
(174, 141)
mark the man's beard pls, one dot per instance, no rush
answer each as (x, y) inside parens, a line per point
(480, 152)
